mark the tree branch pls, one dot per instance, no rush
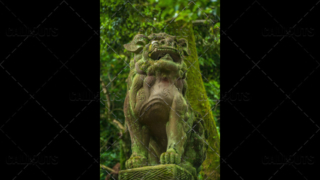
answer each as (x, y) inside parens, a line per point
(120, 127)
(106, 168)
(201, 22)
(104, 89)
(112, 87)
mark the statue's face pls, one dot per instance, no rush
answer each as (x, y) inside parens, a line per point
(165, 49)
(158, 46)
(160, 53)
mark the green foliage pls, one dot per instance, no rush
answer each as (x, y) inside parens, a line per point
(120, 21)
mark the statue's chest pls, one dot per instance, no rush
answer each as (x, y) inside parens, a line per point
(164, 90)
(159, 91)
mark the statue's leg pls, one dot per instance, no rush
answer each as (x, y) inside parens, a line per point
(139, 146)
(176, 129)
(139, 140)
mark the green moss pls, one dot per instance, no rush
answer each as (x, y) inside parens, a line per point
(195, 92)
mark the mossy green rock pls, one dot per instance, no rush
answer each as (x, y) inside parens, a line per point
(159, 172)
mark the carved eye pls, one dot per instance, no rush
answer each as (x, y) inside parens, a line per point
(174, 44)
(162, 41)
(140, 43)
(155, 43)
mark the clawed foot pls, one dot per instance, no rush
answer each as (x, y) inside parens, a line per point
(136, 161)
(170, 157)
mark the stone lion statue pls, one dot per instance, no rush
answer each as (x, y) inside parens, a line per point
(158, 116)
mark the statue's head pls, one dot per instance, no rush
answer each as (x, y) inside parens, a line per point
(164, 46)
(158, 51)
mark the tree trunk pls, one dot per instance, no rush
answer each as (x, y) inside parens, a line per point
(196, 91)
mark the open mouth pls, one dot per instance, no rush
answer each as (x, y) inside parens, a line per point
(165, 53)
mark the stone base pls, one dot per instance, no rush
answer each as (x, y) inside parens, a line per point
(159, 172)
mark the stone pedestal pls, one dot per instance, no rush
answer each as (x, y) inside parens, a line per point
(159, 172)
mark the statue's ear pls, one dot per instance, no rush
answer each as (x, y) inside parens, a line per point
(137, 44)
(133, 47)
(183, 44)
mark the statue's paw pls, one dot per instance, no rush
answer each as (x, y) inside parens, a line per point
(136, 161)
(170, 157)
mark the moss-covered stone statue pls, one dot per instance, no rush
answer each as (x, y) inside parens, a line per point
(157, 114)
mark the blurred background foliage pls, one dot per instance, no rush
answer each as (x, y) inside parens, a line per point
(120, 20)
